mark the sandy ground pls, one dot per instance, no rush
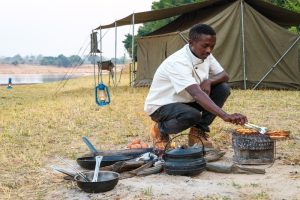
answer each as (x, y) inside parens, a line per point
(280, 182)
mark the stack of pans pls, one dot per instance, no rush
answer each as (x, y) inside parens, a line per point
(185, 161)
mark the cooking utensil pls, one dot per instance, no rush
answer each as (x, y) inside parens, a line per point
(90, 146)
(88, 161)
(260, 129)
(188, 161)
(124, 152)
(97, 166)
(107, 180)
(74, 169)
(65, 172)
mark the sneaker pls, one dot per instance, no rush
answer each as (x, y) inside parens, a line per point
(195, 135)
(159, 141)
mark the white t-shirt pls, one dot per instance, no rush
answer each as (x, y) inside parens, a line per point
(176, 73)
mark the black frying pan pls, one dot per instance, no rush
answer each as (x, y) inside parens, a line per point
(88, 161)
(107, 180)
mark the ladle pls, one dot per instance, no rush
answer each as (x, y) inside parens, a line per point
(260, 129)
(97, 167)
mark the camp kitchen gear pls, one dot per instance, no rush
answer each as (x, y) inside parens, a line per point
(89, 145)
(126, 152)
(260, 129)
(84, 178)
(106, 181)
(89, 162)
(64, 171)
(188, 161)
(97, 167)
(109, 157)
(252, 148)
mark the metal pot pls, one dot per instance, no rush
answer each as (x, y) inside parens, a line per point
(107, 180)
(187, 161)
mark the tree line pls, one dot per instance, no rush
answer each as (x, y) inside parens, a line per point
(60, 60)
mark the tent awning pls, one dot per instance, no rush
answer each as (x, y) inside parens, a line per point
(153, 15)
(277, 14)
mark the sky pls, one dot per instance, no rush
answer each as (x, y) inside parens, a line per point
(53, 27)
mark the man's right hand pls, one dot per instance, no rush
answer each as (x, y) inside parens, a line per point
(235, 118)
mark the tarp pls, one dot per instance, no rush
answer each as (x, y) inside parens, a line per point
(265, 42)
(278, 15)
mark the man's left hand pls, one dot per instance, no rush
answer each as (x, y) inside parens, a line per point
(206, 86)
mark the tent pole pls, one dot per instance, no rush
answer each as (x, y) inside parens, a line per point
(115, 74)
(243, 45)
(132, 49)
(185, 39)
(275, 65)
(100, 41)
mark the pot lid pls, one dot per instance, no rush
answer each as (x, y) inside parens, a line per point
(181, 152)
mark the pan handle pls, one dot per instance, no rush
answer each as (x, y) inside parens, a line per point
(90, 146)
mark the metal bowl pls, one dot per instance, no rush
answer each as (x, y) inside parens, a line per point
(107, 180)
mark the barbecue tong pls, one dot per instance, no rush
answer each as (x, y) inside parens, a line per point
(260, 129)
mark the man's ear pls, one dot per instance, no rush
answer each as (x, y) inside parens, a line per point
(190, 41)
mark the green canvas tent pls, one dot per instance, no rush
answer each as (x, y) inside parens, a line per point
(253, 44)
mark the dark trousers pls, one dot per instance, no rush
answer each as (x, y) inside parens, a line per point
(176, 117)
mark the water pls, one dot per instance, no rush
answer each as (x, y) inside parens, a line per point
(34, 78)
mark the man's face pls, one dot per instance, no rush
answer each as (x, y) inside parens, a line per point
(203, 46)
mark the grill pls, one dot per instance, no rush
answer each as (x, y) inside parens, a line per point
(252, 149)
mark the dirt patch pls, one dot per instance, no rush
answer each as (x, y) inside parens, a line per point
(280, 182)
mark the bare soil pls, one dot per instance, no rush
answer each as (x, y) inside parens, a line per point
(281, 181)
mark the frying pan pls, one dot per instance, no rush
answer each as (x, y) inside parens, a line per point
(88, 161)
(107, 180)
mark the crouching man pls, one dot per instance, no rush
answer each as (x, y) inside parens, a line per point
(188, 91)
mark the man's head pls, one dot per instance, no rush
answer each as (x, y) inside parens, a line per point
(202, 40)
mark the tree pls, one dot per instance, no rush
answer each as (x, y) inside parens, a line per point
(48, 60)
(17, 59)
(63, 61)
(152, 26)
(75, 60)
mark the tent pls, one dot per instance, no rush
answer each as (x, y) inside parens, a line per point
(253, 44)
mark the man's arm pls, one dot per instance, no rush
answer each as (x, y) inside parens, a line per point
(203, 99)
(218, 78)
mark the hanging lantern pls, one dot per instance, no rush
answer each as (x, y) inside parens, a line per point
(102, 95)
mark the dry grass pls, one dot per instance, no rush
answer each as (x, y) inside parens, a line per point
(35, 126)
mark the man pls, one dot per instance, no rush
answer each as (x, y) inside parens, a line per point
(188, 90)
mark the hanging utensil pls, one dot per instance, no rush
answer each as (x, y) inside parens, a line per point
(260, 129)
(97, 167)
